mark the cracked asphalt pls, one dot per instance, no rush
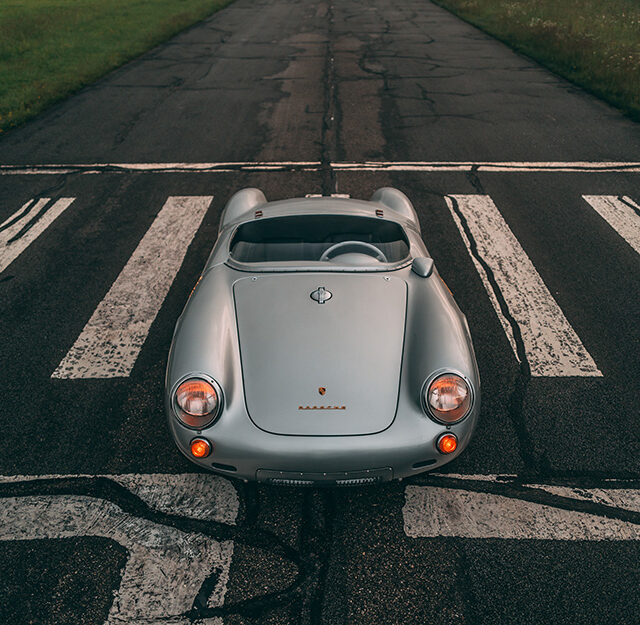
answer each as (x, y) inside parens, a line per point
(328, 82)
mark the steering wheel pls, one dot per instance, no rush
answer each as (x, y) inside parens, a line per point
(367, 248)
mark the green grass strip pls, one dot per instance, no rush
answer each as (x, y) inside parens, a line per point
(593, 43)
(51, 48)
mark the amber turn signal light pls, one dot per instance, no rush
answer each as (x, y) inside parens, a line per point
(200, 447)
(447, 443)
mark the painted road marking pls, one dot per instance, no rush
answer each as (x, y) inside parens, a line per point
(123, 168)
(433, 512)
(26, 225)
(109, 344)
(489, 166)
(621, 213)
(200, 496)
(414, 166)
(517, 292)
(166, 567)
(621, 498)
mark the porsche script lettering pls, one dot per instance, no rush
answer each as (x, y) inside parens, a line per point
(322, 407)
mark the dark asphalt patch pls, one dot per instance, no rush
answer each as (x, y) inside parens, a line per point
(59, 582)
(552, 582)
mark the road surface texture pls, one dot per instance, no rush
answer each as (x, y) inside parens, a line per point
(528, 193)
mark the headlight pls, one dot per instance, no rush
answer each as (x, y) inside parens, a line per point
(197, 403)
(448, 398)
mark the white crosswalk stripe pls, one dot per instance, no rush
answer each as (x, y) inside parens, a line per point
(433, 512)
(621, 213)
(551, 345)
(111, 341)
(26, 225)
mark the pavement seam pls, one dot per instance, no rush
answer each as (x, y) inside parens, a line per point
(531, 461)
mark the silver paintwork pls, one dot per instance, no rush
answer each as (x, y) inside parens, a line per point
(422, 266)
(372, 347)
(293, 346)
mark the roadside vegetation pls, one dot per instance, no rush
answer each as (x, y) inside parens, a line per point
(593, 43)
(51, 48)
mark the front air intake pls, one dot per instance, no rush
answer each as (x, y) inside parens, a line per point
(285, 482)
(341, 478)
(359, 481)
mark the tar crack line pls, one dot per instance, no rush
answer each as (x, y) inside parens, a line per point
(532, 462)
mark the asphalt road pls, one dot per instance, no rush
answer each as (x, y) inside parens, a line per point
(318, 85)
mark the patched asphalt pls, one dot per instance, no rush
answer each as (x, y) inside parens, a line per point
(327, 82)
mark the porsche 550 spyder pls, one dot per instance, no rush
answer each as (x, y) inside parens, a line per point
(321, 347)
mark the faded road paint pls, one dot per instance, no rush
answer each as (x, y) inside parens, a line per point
(552, 346)
(201, 496)
(592, 167)
(495, 166)
(621, 213)
(621, 498)
(122, 168)
(433, 512)
(166, 567)
(112, 339)
(26, 225)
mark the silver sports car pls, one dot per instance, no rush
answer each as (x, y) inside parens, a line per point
(320, 346)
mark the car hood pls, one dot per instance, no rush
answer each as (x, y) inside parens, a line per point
(321, 369)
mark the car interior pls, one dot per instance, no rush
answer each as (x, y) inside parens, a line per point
(340, 239)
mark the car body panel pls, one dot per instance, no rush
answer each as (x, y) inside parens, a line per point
(318, 369)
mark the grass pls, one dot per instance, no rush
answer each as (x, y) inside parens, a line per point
(51, 48)
(593, 43)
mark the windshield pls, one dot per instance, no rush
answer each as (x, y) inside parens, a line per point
(310, 237)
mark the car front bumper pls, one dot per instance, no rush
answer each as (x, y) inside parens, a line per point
(242, 450)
